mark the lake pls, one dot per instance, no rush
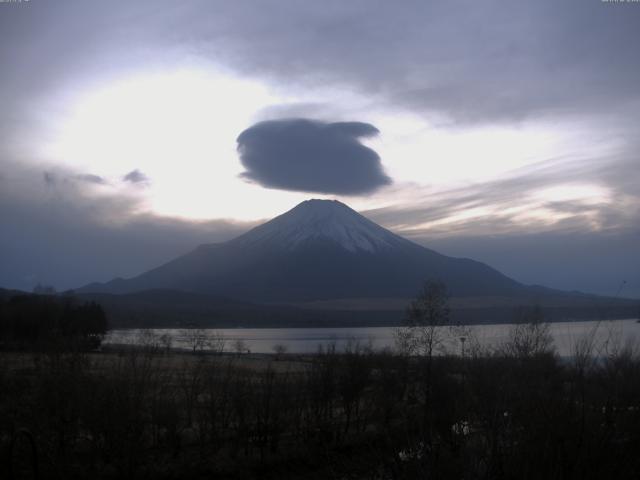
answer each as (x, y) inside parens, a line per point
(607, 335)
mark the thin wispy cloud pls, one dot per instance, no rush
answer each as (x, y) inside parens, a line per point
(585, 202)
(90, 178)
(136, 177)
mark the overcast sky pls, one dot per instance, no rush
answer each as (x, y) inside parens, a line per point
(502, 131)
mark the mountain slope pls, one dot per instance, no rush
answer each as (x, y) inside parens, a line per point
(319, 250)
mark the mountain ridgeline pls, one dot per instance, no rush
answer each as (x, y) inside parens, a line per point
(319, 250)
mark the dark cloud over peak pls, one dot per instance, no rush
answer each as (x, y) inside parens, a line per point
(136, 177)
(311, 156)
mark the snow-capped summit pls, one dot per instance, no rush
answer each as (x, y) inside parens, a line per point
(322, 221)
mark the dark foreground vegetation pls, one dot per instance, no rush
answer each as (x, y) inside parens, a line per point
(149, 413)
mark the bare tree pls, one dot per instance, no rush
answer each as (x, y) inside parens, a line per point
(216, 342)
(423, 335)
(279, 349)
(148, 340)
(166, 341)
(195, 338)
(531, 336)
(240, 346)
(425, 315)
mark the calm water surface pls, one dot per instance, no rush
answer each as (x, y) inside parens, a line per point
(607, 335)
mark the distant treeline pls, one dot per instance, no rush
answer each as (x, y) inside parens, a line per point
(33, 321)
(173, 309)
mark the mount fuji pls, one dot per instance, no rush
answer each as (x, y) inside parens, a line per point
(320, 250)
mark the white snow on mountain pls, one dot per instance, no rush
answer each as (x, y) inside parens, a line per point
(322, 220)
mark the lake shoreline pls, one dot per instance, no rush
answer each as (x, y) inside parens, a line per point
(308, 340)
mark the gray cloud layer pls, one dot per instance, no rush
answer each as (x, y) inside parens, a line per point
(476, 62)
(311, 156)
(472, 61)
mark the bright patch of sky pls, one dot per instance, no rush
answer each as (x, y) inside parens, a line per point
(180, 127)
